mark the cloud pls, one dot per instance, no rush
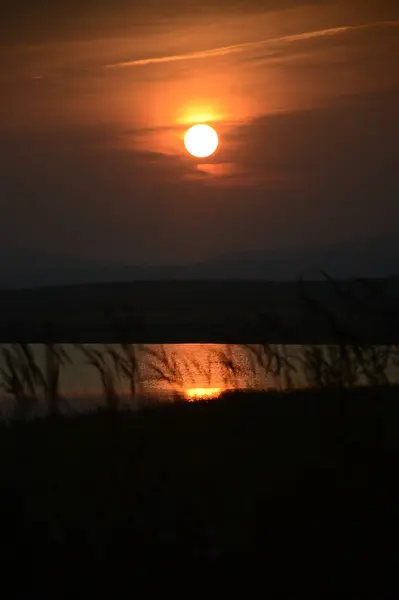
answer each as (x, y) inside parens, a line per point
(236, 48)
(80, 190)
(280, 179)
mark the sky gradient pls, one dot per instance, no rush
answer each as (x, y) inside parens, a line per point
(95, 102)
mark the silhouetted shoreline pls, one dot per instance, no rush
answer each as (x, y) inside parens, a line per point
(301, 481)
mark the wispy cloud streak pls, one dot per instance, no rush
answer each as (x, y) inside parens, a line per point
(235, 48)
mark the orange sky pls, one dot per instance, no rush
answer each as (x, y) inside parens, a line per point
(95, 107)
(226, 66)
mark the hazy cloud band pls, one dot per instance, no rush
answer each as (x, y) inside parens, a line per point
(223, 50)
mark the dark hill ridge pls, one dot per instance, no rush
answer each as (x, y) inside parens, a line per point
(371, 258)
(205, 311)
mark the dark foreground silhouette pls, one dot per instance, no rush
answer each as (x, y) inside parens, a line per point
(301, 487)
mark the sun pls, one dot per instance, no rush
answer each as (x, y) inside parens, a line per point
(201, 140)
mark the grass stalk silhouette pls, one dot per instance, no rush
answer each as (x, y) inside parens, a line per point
(30, 385)
(165, 367)
(126, 359)
(105, 368)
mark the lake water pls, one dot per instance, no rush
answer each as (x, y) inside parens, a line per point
(196, 371)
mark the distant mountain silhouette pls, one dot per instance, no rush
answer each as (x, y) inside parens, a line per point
(372, 257)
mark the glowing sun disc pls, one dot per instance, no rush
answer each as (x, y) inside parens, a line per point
(201, 140)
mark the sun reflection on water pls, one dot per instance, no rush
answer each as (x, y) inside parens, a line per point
(195, 394)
